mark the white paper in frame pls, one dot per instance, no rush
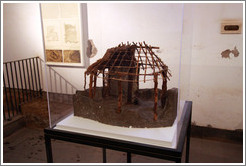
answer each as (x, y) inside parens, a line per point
(62, 34)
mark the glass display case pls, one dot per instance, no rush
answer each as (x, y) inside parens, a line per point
(137, 81)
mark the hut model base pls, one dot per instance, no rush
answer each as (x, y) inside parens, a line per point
(138, 114)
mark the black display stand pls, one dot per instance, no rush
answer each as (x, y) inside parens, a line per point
(127, 146)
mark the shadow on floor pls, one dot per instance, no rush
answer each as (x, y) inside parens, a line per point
(27, 146)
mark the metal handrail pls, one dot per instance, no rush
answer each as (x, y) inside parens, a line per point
(17, 85)
(22, 82)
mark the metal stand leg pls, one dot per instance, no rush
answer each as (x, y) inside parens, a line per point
(178, 160)
(129, 158)
(188, 143)
(48, 149)
(104, 155)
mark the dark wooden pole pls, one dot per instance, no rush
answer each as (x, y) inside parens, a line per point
(90, 86)
(129, 89)
(119, 96)
(163, 92)
(156, 95)
(108, 85)
(95, 84)
(103, 79)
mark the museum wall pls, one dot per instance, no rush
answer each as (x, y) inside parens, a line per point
(213, 83)
(22, 38)
(156, 24)
(216, 83)
(21, 31)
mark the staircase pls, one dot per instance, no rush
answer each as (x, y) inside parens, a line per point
(23, 94)
(22, 84)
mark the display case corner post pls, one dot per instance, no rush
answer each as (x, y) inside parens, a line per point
(104, 155)
(178, 160)
(188, 134)
(48, 148)
(129, 157)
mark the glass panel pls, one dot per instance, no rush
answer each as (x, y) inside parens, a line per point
(185, 60)
(133, 82)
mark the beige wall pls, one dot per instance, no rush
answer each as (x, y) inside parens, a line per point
(156, 24)
(216, 83)
(213, 83)
(21, 31)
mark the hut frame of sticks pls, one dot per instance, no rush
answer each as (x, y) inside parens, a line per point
(131, 63)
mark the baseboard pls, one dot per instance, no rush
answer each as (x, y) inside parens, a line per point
(9, 127)
(217, 134)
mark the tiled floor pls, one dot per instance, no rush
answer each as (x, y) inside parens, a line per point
(27, 146)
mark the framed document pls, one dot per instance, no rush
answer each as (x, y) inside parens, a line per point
(62, 34)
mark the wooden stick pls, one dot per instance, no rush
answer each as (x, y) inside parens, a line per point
(108, 84)
(95, 84)
(156, 95)
(162, 65)
(119, 96)
(129, 89)
(139, 54)
(164, 86)
(145, 64)
(117, 57)
(90, 86)
(151, 53)
(85, 80)
(146, 56)
(103, 79)
(138, 70)
(137, 64)
(105, 65)
(122, 59)
(132, 59)
(152, 47)
(163, 92)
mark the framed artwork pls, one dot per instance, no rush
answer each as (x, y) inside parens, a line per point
(62, 34)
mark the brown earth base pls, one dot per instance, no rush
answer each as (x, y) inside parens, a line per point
(138, 114)
(36, 112)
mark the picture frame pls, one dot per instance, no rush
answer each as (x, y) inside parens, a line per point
(62, 33)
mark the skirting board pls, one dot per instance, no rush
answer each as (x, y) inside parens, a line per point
(217, 134)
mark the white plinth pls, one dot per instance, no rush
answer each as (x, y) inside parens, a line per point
(164, 136)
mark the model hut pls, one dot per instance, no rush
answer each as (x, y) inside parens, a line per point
(129, 64)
